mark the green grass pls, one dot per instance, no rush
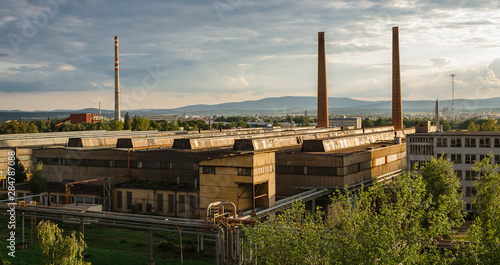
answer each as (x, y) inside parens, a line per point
(108, 245)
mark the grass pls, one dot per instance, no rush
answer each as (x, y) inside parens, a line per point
(108, 245)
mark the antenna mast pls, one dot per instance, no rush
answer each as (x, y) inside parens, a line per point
(453, 94)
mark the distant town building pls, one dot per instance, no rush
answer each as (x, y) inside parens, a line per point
(168, 118)
(446, 113)
(346, 122)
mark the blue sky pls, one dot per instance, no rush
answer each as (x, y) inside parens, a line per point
(58, 54)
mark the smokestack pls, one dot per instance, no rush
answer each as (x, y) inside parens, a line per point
(397, 109)
(437, 115)
(322, 88)
(117, 82)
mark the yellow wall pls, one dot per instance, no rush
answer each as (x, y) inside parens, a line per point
(227, 185)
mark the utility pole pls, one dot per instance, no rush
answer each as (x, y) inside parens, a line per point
(453, 94)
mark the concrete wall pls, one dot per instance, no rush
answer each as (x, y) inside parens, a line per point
(147, 201)
(229, 183)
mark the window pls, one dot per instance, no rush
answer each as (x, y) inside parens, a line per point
(112, 163)
(271, 168)
(244, 171)
(119, 200)
(459, 174)
(53, 198)
(456, 158)
(470, 142)
(149, 207)
(470, 175)
(456, 142)
(481, 157)
(421, 149)
(139, 207)
(89, 200)
(129, 199)
(79, 199)
(261, 170)
(139, 164)
(182, 203)
(497, 142)
(159, 204)
(468, 191)
(208, 170)
(442, 142)
(484, 142)
(497, 159)
(469, 159)
(418, 164)
(171, 203)
(192, 204)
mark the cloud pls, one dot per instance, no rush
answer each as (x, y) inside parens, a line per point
(269, 48)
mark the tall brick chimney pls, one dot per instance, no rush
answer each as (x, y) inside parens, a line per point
(397, 108)
(117, 82)
(322, 88)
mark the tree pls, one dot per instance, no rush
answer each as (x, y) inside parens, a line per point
(473, 127)
(59, 250)
(126, 124)
(20, 171)
(379, 225)
(38, 184)
(443, 190)
(446, 125)
(116, 125)
(484, 233)
(140, 124)
(490, 125)
(367, 122)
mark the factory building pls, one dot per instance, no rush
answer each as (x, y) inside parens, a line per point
(461, 147)
(175, 176)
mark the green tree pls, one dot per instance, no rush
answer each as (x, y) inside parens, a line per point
(446, 125)
(484, 233)
(443, 190)
(32, 128)
(20, 171)
(126, 124)
(116, 125)
(38, 183)
(367, 122)
(59, 250)
(379, 225)
(473, 127)
(490, 125)
(141, 124)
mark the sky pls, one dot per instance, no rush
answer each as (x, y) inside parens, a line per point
(59, 54)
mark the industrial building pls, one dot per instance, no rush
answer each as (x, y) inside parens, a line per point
(461, 147)
(175, 176)
(81, 118)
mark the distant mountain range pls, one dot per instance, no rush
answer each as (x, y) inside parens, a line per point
(280, 106)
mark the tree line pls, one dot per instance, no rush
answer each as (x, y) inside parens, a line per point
(398, 223)
(472, 124)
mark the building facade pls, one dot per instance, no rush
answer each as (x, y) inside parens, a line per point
(462, 148)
